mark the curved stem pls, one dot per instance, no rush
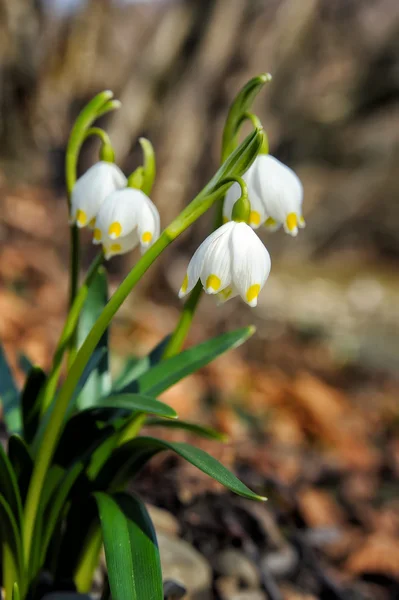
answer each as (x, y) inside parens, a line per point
(237, 163)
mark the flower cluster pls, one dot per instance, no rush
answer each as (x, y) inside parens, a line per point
(121, 217)
(232, 260)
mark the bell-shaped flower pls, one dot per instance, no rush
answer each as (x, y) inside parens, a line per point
(231, 261)
(91, 189)
(275, 193)
(126, 218)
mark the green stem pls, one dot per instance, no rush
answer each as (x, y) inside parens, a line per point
(98, 106)
(183, 326)
(131, 428)
(237, 163)
(106, 152)
(69, 329)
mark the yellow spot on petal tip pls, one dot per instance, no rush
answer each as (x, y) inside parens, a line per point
(254, 218)
(225, 220)
(81, 218)
(252, 294)
(114, 231)
(270, 222)
(301, 222)
(184, 285)
(213, 283)
(292, 222)
(92, 223)
(146, 237)
(115, 248)
(97, 235)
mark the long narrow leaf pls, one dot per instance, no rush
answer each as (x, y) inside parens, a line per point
(201, 430)
(9, 486)
(22, 463)
(30, 402)
(131, 549)
(134, 367)
(166, 373)
(9, 396)
(128, 459)
(10, 534)
(99, 381)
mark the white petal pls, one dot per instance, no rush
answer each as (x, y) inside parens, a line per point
(279, 187)
(216, 266)
(118, 215)
(197, 262)
(122, 245)
(92, 188)
(251, 263)
(148, 224)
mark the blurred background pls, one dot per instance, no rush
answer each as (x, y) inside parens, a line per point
(311, 401)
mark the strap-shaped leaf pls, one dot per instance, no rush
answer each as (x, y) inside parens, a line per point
(9, 486)
(10, 534)
(201, 430)
(99, 382)
(168, 372)
(131, 549)
(22, 463)
(138, 403)
(134, 367)
(86, 430)
(91, 365)
(128, 459)
(9, 396)
(30, 402)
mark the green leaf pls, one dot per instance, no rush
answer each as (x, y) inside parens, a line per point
(30, 405)
(90, 366)
(9, 486)
(15, 592)
(201, 430)
(99, 382)
(9, 396)
(128, 459)
(137, 366)
(22, 463)
(10, 534)
(131, 549)
(170, 371)
(138, 402)
(55, 507)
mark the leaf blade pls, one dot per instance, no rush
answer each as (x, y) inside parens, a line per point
(131, 548)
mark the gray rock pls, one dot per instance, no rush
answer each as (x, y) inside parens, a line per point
(236, 564)
(182, 563)
(163, 520)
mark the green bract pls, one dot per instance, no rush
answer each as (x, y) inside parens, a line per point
(74, 446)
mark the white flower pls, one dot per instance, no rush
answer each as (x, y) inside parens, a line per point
(90, 191)
(231, 261)
(126, 218)
(275, 193)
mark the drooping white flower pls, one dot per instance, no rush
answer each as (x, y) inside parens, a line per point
(231, 261)
(126, 218)
(91, 189)
(275, 193)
